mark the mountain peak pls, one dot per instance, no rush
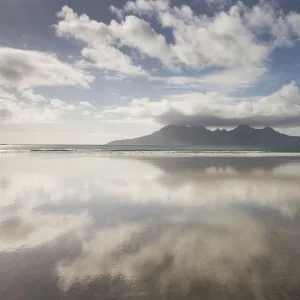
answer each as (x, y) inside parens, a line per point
(244, 127)
(270, 129)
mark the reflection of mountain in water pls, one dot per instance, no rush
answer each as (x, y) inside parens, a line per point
(239, 164)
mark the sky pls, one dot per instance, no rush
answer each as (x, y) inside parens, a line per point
(88, 72)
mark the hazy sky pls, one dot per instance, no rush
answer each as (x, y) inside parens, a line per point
(74, 71)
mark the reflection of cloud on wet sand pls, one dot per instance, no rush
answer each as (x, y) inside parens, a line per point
(166, 181)
(164, 225)
(37, 184)
(176, 252)
(226, 255)
(30, 229)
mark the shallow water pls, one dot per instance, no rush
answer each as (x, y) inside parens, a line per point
(86, 226)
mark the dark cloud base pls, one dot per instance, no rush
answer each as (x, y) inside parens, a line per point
(213, 121)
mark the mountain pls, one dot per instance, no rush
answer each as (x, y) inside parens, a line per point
(241, 136)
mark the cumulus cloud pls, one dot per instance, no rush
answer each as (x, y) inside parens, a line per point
(137, 33)
(59, 104)
(98, 40)
(30, 107)
(25, 68)
(200, 41)
(86, 104)
(21, 112)
(7, 96)
(31, 96)
(144, 6)
(5, 113)
(239, 40)
(109, 58)
(281, 108)
(236, 78)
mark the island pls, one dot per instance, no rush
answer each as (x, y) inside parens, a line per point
(241, 136)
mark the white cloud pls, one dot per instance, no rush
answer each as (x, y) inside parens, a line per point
(224, 39)
(32, 97)
(30, 107)
(228, 78)
(86, 104)
(86, 113)
(231, 39)
(21, 112)
(234, 40)
(293, 20)
(24, 69)
(7, 96)
(99, 42)
(267, 19)
(117, 11)
(7, 101)
(221, 40)
(110, 58)
(237, 77)
(213, 109)
(138, 33)
(115, 77)
(62, 105)
(146, 6)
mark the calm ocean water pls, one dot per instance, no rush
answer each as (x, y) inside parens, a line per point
(95, 148)
(144, 150)
(92, 226)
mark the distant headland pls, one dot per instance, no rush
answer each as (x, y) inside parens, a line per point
(241, 136)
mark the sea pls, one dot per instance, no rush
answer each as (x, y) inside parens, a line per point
(147, 150)
(148, 223)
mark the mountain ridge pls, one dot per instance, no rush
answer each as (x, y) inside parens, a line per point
(185, 135)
